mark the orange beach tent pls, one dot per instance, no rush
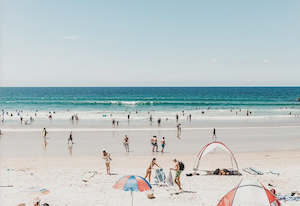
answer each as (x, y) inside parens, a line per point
(249, 194)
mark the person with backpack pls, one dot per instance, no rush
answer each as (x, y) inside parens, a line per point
(179, 167)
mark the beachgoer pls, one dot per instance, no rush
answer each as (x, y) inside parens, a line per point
(163, 144)
(70, 148)
(126, 143)
(154, 144)
(178, 173)
(149, 169)
(44, 133)
(70, 139)
(107, 158)
(214, 135)
(178, 130)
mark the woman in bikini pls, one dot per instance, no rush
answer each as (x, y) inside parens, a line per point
(149, 170)
(107, 158)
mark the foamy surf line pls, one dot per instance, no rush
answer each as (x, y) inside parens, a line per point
(137, 129)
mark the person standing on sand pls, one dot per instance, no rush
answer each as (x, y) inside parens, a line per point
(178, 173)
(70, 139)
(214, 135)
(107, 158)
(149, 170)
(126, 143)
(178, 130)
(154, 144)
(44, 133)
(163, 144)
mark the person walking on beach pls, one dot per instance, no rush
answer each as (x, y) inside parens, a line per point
(126, 143)
(70, 139)
(178, 130)
(179, 167)
(44, 133)
(163, 144)
(107, 158)
(149, 170)
(214, 135)
(154, 144)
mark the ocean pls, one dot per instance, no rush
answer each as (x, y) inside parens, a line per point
(148, 98)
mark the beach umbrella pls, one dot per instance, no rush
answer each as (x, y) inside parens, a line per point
(132, 183)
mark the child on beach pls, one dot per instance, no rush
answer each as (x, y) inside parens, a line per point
(107, 158)
(126, 143)
(149, 170)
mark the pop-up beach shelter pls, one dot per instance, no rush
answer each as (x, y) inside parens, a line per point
(214, 147)
(249, 194)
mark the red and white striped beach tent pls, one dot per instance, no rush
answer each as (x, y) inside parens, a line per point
(214, 147)
(249, 194)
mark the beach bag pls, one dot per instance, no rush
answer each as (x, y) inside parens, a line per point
(181, 166)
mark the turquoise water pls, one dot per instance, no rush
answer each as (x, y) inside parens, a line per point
(148, 98)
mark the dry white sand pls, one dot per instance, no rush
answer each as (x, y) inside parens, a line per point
(28, 168)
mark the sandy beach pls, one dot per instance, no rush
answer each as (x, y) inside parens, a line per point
(149, 103)
(269, 145)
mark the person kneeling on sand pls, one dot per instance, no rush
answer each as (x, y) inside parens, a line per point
(179, 167)
(149, 170)
(107, 158)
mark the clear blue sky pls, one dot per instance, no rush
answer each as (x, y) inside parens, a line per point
(149, 43)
